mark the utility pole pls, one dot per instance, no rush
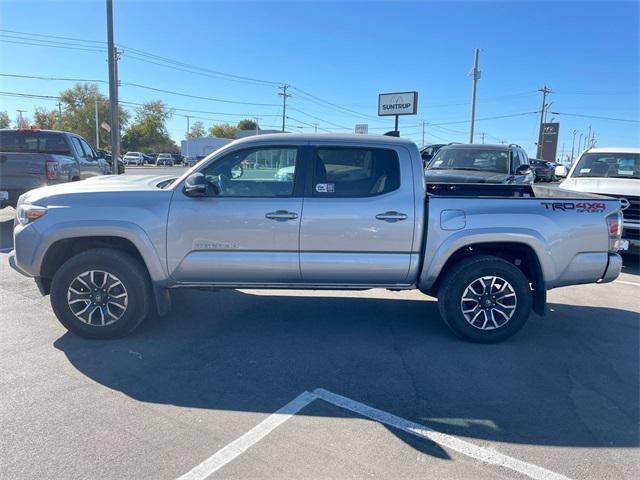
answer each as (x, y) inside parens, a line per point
(423, 125)
(545, 91)
(573, 142)
(284, 96)
(20, 112)
(482, 135)
(188, 131)
(59, 115)
(580, 142)
(315, 128)
(112, 55)
(257, 119)
(589, 136)
(475, 75)
(95, 105)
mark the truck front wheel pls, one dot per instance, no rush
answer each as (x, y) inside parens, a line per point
(484, 299)
(101, 293)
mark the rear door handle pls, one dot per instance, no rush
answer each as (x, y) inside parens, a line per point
(391, 216)
(281, 215)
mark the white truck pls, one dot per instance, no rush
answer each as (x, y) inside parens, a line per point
(615, 172)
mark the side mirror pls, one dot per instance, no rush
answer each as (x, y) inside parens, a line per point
(195, 185)
(523, 170)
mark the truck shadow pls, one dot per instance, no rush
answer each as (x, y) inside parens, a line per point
(569, 379)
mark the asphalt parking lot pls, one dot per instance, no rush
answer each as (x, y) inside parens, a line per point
(299, 384)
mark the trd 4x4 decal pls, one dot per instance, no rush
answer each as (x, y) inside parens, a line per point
(581, 207)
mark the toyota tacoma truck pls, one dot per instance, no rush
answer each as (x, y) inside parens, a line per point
(355, 214)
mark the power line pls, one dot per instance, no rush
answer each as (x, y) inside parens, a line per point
(314, 125)
(596, 117)
(199, 97)
(486, 118)
(36, 77)
(321, 119)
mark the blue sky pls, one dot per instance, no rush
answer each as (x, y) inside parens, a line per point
(346, 53)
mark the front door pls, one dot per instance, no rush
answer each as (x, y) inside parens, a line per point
(247, 232)
(358, 220)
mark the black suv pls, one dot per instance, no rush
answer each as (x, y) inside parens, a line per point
(472, 163)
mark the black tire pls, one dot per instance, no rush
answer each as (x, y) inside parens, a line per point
(121, 265)
(463, 274)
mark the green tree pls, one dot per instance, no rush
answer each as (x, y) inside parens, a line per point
(247, 124)
(5, 121)
(45, 119)
(78, 112)
(22, 121)
(148, 132)
(223, 130)
(197, 130)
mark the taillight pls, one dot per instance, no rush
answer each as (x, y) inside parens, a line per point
(614, 225)
(52, 172)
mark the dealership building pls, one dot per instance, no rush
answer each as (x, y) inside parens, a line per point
(201, 147)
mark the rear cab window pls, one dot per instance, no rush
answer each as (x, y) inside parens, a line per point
(354, 172)
(33, 141)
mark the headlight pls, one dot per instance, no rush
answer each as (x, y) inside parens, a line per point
(27, 213)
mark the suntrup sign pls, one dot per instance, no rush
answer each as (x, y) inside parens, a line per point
(403, 103)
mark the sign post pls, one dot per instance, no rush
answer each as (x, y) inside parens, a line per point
(396, 104)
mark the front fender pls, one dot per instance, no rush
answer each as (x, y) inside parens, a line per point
(436, 259)
(103, 228)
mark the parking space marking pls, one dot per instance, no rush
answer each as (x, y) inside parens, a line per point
(627, 283)
(257, 433)
(485, 455)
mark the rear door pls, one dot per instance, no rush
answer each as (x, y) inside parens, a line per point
(358, 220)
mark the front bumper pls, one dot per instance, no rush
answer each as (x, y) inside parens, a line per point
(614, 267)
(13, 264)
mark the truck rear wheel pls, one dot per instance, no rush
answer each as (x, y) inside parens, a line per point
(484, 299)
(101, 293)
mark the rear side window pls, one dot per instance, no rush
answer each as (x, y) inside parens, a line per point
(355, 172)
(33, 142)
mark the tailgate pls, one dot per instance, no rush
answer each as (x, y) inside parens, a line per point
(22, 171)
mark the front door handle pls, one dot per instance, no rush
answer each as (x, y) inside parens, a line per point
(281, 215)
(391, 216)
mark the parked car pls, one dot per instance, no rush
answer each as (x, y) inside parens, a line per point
(471, 163)
(151, 158)
(561, 171)
(134, 158)
(177, 158)
(615, 172)
(32, 158)
(285, 174)
(544, 171)
(428, 152)
(191, 161)
(164, 159)
(488, 252)
(108, 157)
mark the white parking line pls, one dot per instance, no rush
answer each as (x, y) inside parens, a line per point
(627, 283)
(257, 433)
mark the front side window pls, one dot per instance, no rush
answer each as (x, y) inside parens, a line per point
(480, 159)
(262, 172)
(613, 165)
(355, 172)
(88, 151)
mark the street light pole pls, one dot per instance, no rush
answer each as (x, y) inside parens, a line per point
(95, 105)
(20, 112)
(112, 56)
(573, 142)
(475, 74)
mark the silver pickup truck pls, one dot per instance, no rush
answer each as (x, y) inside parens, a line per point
(310, 212)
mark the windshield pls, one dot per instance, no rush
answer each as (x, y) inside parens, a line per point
(471, 159)
(612, 165)
(33, 142)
